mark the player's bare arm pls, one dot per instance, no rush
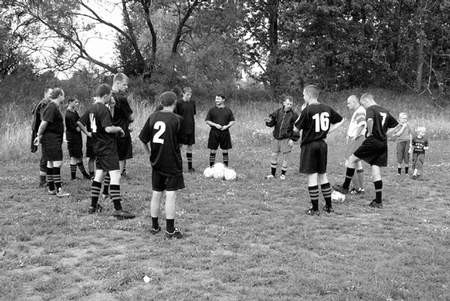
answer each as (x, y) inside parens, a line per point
(212, 124)
(84, 129)
(114, 130)
(40, 132)
(146, 148)
(228, 125)
(369, 127)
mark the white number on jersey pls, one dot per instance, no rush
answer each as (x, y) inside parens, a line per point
(161, 127)
(383, 116)
(322, 121)
(92, 122)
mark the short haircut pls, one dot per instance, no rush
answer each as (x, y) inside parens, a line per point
(187, 89)
(120, 77)
(312, 90)
(285, 97)
(71, 99)
(367, 96)
(56, 92)
(221, 96)
(167, 98)
(353, 97)
(102, 90)
(177, 91)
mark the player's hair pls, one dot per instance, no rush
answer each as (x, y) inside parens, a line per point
(367, 96)
(119, 77)
(187, 89)
(167, 98)
(221, 96)
(353, 96)
(102, 90)
(71, 99)
(312, 90)
(421, 129)
(55, 93)
(403, 115)
(285, 97)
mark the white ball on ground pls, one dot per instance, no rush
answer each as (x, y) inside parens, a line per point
(336, 196)
(229, 174)
(218, 170)
(208, 172)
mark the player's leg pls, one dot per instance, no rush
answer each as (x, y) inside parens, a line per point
(106, 184)
(350, 171)
(154, 210)
(325, 187)
(57, 179)
(212, 157)
(173, 184)
(114, 192)
(123, 167)
(359, 177)
(42, 172)
(406, 156)
(81, 167)
(91, 166)
(73, 168)
(96, 187)
(225, 145)
(313, 190)
(414, 165)
(275, 151)
(399, 152)
(226, 157)
(213, 145)
(419, 164)
(378, 184)
(189, 157)
(50, 181)
(284, 165)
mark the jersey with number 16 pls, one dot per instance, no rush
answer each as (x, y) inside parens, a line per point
(161, 130)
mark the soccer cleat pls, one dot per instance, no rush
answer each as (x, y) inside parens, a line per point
(175, 234)
(414, 177)
(357, 191)
(312, 212)
(62, 194)
(328, 209)
(271, 176)
(122, 214)
(155, 231)
(93, 210)
(340, 188)
(191, 170)
(376, 204)
(52, 192)
(282, 177)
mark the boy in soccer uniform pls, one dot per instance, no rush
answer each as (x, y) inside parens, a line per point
(404, 137)
(98, 118)
(316, 120)
(161, 130)
(220, 118)
(186, 109)
(50, 135)
(282, 120)
(374, 148)
(122, 117)
(74, 139)
(355, 136)
(419, 145)
(37, 112)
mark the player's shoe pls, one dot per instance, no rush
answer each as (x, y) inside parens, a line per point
(122, 214)
(340, 188)
(282, 177)
(155, 231)
(357, 191)
(52, 192)
(328, 209)
(269, 177)
(312, 212)
(93, 210)
(175, 234)
(414, 177)
(375, 204)
(62, 194)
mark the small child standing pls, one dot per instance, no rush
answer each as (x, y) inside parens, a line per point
(419, 145)
(404, 135)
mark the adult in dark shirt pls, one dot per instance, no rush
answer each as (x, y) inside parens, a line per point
(98, 119)
(37, 111)
(162, 130)
(220, 118)
(374, 149)
(315, 122)
(187, 110)
(50, 135)
(74, 139)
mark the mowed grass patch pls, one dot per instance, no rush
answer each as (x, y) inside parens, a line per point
(245, 239)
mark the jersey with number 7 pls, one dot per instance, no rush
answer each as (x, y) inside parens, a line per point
(315, 122)
(382, 121)
(161, 130)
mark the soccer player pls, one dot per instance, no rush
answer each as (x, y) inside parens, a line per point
(220, 118)
(404, 135)
(37, 111)
(282, 121)
(50, 135)
(374, 148)
(419, 145)
(355, 136)
(122, 117)
(186, 109)
(98, 118)
(74, 139)
(315, 122)
(161, 130)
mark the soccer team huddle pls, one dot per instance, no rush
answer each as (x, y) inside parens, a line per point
(171, 127)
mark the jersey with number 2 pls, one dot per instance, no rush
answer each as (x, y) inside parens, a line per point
(382, 121)
(315, 121)
(161, 130)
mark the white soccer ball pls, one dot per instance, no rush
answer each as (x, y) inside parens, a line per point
(229, 174)
(218, 171)
(209, 172)
(336, 196)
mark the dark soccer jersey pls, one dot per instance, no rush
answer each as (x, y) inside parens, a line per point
(187, 110)
(161, 130)
(71, 119)
(221, 116)
(419, 144)
(53, 116)
(382, 121)
(98, 117)
(315, 121)
(122, 111)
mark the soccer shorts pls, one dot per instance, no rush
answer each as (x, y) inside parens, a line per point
(313, 157)
(373, 151)
(402, 152)
(107, 163)
(75, 148)
(353, 145)
(417, 161)
(219, 138)
(186, 139)
(281, 146)
(52, 147)
(125, 148)
(90, 148)
(161, 182)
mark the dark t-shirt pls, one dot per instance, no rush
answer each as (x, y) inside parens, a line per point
(53, 116)
(122, 111)
(71, 119)
(187, 110)
(382, 121)
(419, 144)
(97, 117)
(315, 121)
(162, 130)
(221, 116)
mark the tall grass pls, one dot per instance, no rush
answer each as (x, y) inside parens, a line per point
(15, 121)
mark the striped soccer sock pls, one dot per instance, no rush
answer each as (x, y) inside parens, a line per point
(326, 192)
(114, 191)
(106, 182)
(95, 192)
(314, 196)
(225, 158)
(273, 168)
(348, 177)
(212, 159)
(189, 159)
(378, 191)
(57, 177)
(50, 182)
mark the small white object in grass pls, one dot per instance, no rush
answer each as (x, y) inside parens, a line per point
(229, 174)
(336, 196)
(209, 172)
(218, 170)
(147, 279)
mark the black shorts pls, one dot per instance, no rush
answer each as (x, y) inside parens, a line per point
(90, 148)
(313, 157)
(186, 139)
(162, 182)
(219, 138)
(125, 148)
(75, 148)
(373, 151)
(107, 163)
(52, 147)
